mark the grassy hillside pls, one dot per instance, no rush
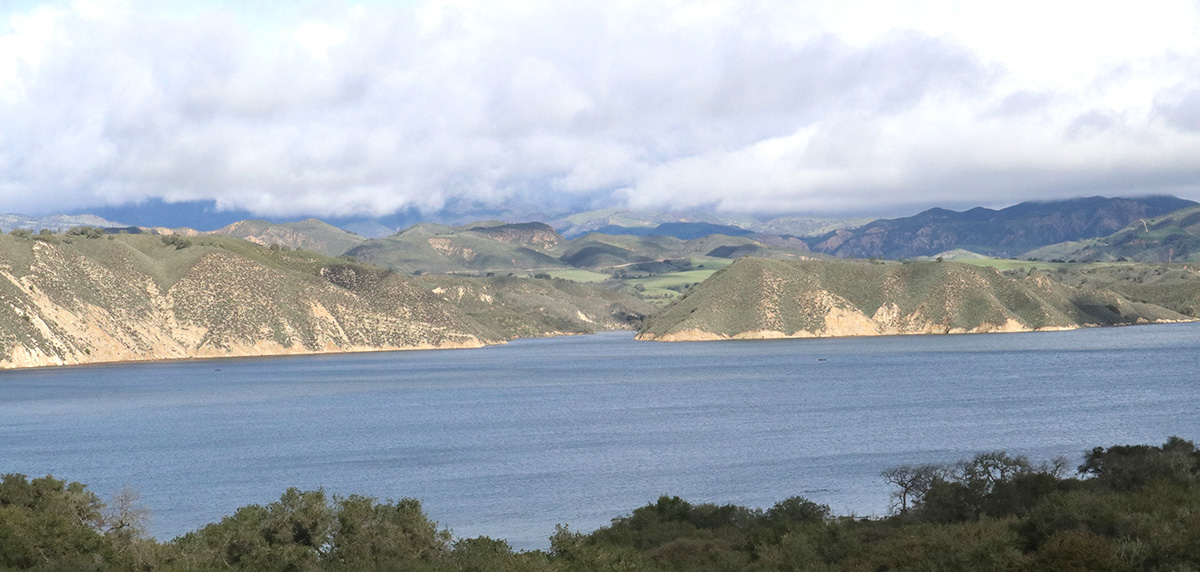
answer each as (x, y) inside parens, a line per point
(1174, 237)
(774, 298)
(438, 249)
(531, 307)
(80, 299)
(88, 297)
(310, 234)
(650, 267)
(1175, 286)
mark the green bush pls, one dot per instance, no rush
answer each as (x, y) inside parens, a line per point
(1137, 508)
(179, 242)
(86, 232)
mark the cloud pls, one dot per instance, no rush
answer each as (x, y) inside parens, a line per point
(1179, 107)
(339, 110)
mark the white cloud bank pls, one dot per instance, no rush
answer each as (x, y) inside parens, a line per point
(338, 109)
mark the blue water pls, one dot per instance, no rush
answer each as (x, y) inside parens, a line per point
(507, 441)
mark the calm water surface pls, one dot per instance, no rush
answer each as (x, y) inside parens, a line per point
(506, 441)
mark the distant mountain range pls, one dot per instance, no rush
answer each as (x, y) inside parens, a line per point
(1076, 229)
(684, 230)
(1173, 237)
(688, 225)
(57, 223)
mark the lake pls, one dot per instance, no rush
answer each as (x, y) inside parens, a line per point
(507, 441)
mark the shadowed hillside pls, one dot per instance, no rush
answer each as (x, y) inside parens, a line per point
(1005, 232)
(1174, 237)
(757, 298)
(1176, 287)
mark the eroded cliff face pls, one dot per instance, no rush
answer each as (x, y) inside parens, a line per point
(134, 298)
(761, 299)
(535, 235)
(849, 322)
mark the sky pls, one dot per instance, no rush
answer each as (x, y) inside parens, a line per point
(365, 109)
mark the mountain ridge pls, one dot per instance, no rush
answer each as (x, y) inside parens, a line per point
(1171, 237)
(1006, 232)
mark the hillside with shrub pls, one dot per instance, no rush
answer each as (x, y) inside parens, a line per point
(88, 297)
(758, 298)
(1173, 237)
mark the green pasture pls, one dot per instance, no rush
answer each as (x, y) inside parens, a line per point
(1009, 264)
(657, 288)
(577, 275)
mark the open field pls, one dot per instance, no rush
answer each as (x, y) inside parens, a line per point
(1003, 264)
(579, 275)
(661, 288)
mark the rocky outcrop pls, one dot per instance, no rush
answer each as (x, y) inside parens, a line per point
(531, 234)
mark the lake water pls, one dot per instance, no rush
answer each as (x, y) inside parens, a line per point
(507, 441)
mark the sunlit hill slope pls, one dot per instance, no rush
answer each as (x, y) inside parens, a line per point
(75, 299)
(758, 298)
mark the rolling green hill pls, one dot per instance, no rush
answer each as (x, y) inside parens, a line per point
(535, 307)
(530, 248)
(438, 249)
(1175, 287)
(309, 234)
(758, 298)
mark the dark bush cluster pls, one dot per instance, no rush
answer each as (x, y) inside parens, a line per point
(86, 232)
(179, 242)
(1130, 508)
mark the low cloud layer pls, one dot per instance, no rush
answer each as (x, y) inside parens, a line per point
(338, 109)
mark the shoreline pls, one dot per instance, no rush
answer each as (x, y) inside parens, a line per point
(696, 335)
(253, 356)
(669, 338)
(284, 354)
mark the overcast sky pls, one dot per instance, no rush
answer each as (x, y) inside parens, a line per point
(347, 109)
